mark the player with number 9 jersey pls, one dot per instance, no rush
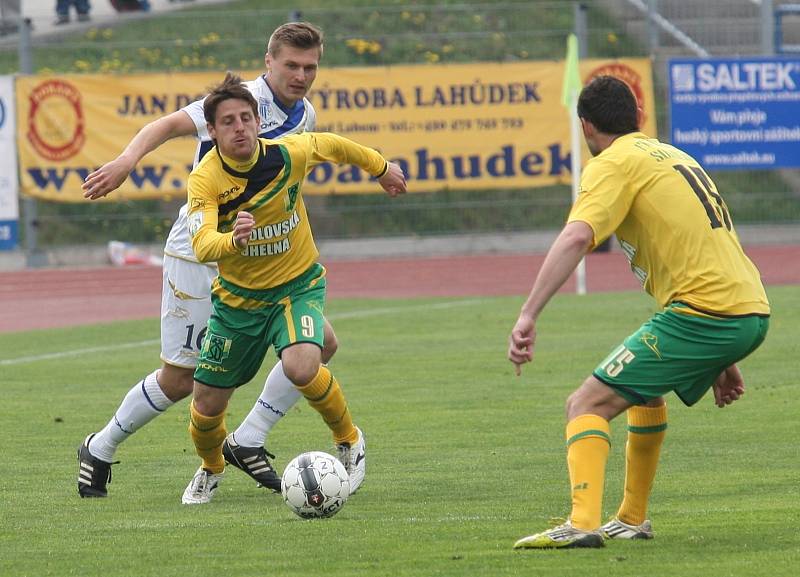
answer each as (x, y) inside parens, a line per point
(185, 299)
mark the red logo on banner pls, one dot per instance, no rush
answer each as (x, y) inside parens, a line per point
(55, 120)
(628, 75)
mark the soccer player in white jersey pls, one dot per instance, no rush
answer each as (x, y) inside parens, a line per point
(292, 59)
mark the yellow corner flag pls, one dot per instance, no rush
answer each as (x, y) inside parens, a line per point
(572, 77)
(569, 92)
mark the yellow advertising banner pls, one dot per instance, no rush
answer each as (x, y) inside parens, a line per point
(458, 126)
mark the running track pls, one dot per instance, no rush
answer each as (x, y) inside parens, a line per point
(35, 299)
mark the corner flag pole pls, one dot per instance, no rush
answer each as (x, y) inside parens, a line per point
(569, 98)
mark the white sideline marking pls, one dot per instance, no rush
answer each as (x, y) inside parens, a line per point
(348, 315)
(77, 352)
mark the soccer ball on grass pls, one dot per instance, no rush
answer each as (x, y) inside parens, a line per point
(315, 484)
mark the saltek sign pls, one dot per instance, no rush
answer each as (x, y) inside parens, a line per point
(737, 114)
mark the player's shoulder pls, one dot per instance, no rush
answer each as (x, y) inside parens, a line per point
(208, 164)
(605, 162)
(296, 142)
(310, 110)
(296, 138)
(258, 88)
(624, 151)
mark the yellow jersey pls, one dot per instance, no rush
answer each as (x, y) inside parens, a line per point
(269, 186)
(672, 224)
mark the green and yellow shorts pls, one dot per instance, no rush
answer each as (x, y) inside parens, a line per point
(681, 352)
(239, 336)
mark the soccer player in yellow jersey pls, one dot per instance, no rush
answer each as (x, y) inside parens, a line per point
(676, 230)
(246, 212)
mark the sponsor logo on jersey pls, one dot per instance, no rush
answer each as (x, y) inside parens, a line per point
(275, 229)
(651, 342)
(195, 221)
(55, 120)
(266, 116)
(212, 368)
(179, 294)
(291, 196)
(215, 349)
(267, 249)
(226, 193)
(264, 109)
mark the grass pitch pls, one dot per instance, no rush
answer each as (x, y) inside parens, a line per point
(463, 457)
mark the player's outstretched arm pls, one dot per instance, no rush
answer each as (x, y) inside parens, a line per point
(564, 255)
(111, 175)
(393, 180)
(330, 147)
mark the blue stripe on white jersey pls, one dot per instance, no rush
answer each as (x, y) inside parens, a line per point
(274, 116)
(294, 116)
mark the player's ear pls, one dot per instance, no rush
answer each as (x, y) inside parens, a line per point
(639, 117)
(211, 132)
(267, 61)
(587, 127)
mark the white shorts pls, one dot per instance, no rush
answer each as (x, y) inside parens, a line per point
(185, 308)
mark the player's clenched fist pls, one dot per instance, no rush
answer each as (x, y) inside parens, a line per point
(242, 228)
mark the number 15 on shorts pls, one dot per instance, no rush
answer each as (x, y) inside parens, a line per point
(617, 361)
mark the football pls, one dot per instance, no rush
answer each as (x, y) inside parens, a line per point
(315, 485)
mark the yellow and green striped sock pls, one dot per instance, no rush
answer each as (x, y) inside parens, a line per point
(647, 427)
(588, 443)
(208, 434)
(325, 395)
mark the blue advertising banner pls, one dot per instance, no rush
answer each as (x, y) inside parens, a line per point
(741, 113)
(9, 185)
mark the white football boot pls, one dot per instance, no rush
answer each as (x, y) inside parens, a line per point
(616, 529)
(201, 488)
(354, 459)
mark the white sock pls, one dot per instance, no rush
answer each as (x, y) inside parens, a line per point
(279, 395)
(143, 403)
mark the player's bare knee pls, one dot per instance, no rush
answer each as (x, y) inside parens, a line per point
(571, 406)
(330, 348)
(586, 399)
(331, 343)
(300, 372)
(210, 401)
(301, 362)
(176, 382)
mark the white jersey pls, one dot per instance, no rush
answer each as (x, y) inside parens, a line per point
(275, 121)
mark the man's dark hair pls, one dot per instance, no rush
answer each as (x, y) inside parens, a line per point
(302, 35)
(231, 87)
(609, 104)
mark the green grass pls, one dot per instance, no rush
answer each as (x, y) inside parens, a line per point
(358, 32)
(464, 458)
